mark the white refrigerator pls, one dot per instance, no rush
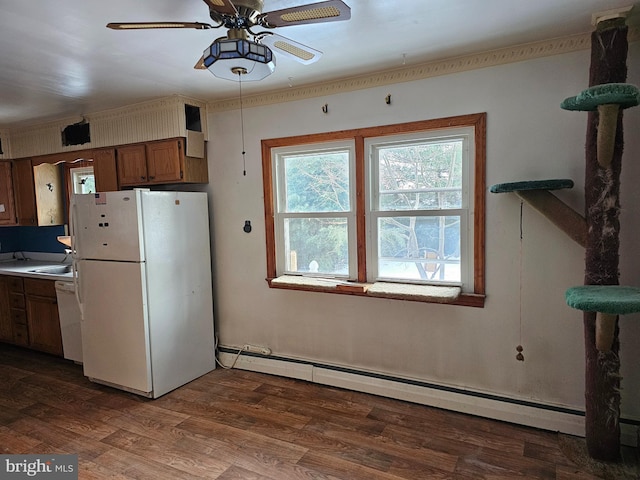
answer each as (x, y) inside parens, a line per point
(143, 263)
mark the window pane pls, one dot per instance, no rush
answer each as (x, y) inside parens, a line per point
(422, 176)
(317, 182)
(419, 248)
(86, 184)
(317, 245)
(83, 180)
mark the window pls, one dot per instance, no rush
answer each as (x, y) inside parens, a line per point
(82, 180)
(419, 199)
(401, 203)
(315, 215)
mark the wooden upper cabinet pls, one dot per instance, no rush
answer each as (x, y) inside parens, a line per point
(165, 161)
(104, 169)
(159, 162)
(47, 180)
(24, 192)
(7, 205)
(132, 164)
(32, 191)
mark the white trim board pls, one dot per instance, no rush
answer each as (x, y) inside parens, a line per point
(546, 417)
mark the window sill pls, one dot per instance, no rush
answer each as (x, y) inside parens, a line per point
(396, 291)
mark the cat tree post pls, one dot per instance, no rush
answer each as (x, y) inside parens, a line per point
(602, 208)
(598, 232)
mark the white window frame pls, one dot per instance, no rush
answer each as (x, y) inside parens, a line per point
(278, 156)
(374, 213)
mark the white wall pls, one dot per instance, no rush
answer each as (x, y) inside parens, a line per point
(528, 137)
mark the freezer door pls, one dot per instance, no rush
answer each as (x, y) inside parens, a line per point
(115, 327)
(106, 226)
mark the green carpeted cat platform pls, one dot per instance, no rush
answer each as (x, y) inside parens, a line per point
(537, 194)
(608, 99)
(553, 184)
(608, 301)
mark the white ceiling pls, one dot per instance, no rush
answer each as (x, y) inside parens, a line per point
(57, 58)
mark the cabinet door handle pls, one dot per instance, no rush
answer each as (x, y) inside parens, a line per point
(143, 178)
(151, 177)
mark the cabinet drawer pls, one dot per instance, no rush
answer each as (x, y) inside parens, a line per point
(15, 284)
(21, 335)
(18, 317)
(42, 288)
(16, 300)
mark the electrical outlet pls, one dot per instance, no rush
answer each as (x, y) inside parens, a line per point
(257, 349)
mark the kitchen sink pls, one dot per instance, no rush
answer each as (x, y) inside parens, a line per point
(55, 270)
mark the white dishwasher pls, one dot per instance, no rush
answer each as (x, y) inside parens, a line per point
(69, 312)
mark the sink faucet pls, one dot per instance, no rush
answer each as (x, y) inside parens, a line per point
(19, 256)
(67, 252)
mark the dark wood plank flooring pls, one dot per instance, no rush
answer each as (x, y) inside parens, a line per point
(238, 425)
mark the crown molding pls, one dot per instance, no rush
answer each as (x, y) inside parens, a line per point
(502, 56)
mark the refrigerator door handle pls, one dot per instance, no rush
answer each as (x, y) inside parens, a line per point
(74, 253)
(76, 286)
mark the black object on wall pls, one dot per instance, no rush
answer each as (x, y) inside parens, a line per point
(192, 117)
(76, 134)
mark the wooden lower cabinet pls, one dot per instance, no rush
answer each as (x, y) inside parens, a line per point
(42, 315)
(29, 311)
(18, 310)
(6, 324)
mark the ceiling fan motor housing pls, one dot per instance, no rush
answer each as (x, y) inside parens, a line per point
(248, 13)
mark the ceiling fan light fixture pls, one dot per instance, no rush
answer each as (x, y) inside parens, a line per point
(225, 58)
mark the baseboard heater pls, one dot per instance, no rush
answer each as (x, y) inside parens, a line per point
(520, 411)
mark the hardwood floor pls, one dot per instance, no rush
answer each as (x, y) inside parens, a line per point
(238, 425)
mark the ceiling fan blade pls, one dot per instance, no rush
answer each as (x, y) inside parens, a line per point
(328, 11)
(292, 49)
(149, 25)
(224, 7)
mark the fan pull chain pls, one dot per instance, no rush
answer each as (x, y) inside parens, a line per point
(519, 349)
(244, 161)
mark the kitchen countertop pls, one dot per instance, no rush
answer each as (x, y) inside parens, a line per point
(24, 268)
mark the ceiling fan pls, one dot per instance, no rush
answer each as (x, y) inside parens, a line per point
(244, 53)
